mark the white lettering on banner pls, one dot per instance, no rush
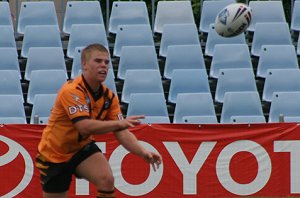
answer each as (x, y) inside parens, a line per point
(293, 147)
(14, 150)
(263, 173)
(82, 185)
(189, 170)
(122, 185)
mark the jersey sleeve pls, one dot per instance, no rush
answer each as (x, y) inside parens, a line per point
(75, 103)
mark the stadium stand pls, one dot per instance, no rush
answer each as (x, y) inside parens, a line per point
(172, 12)
(36, 13)
(12, 109)
(5, 14)
(183, 57)
(9, 60)
(42, 105)
(126, 13)
(82, 12)
(195, 108)
(276, 57)
(223, 59)
(7, 38)
(155, 111)
(10, 83)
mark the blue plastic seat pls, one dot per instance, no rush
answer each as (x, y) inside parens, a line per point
(178, 34)
(12, 109)
(155, 111)
(82, 12)
(188, 81)
(194, 108)
(298, 46)
(42, 105)
(40, 36)
(223, 58)
(260, 8)
(213, 38)
(82, 35)
(209, 11)
(45, 82)
(126, 13)
(141, 81)
(45, 58)
(7, 38)
(270, 34)
(9, 59)
(183, 57)
(36, 13)
(241, 104)
(132, 35)
(137, 57)
(5, 14)
(234, 80)
(173, 12)
(287, 104)
(10, 83)
(280, 80)
(295, 21)
(276, 57)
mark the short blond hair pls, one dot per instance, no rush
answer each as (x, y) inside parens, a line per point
(86, 52)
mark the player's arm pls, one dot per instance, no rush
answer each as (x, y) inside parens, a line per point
(130, 142)
(89, 126)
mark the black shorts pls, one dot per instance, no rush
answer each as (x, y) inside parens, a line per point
(56, 177)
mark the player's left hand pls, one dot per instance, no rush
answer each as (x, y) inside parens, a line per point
(154, 159)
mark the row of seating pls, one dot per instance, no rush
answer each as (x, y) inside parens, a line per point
(167, 12)
(195, 108)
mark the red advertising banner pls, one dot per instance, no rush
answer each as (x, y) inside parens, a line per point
(218, 160)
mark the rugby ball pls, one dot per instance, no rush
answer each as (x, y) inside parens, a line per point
(233, 20)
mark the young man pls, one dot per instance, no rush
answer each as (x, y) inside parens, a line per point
(83, 107)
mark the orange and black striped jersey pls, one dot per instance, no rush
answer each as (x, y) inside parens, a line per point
(75, 101)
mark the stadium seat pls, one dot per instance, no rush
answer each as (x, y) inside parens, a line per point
(155, 111)
(295, 21)
(141, 81)
(209, 11)
(45, 82)
(247, 119)
(230, 56)
(213, 38)
(298, 46)
(7, 38)
(234, 80)
(126, 13)
(42, 105)
(178, 34)
(82, 35)
(173, 12)
(194, 108)
(82, 12)
(44, 58)
(270, 34)
(10, 83)
(36, 13)
(76, 63)
(188, 81)
(12, 109)
(183, 57)
(5, 14)
(40, 36)
(241, 104)
(9, 59)
(280, 80)
(287, 104)
(276, 57)
(132, 35)
(137, 57)
(110, 81)
(266, 12)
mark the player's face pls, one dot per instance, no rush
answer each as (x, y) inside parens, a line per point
(96, 67)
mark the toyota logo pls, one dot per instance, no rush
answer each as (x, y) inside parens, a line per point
(14, 149)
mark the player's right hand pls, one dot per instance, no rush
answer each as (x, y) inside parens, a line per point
(130, 121)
